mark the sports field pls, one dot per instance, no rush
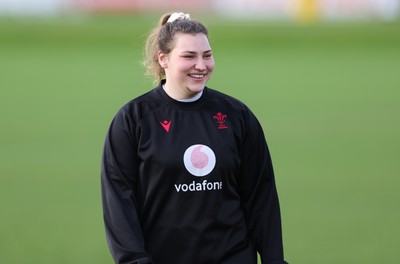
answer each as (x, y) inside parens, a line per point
(327, 95)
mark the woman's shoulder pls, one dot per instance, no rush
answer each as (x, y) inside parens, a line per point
(233, 105)
(145, 98)
(138, 107)
(225, 99)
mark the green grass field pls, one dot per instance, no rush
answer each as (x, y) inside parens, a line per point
(327, 96)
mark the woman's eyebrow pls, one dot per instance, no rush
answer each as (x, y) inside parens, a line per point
(194, 52)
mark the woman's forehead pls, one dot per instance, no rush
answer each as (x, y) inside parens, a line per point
(191, 42)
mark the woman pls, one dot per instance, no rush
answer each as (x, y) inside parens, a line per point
(186, 172)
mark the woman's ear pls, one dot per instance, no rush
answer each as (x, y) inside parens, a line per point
(162, 59)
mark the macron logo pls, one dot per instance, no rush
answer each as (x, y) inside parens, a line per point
(166, 125)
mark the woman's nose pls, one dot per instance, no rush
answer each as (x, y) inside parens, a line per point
(200, 64)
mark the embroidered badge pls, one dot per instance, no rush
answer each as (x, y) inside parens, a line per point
(221, 120)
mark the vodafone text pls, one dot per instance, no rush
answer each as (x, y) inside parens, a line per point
(198, 186)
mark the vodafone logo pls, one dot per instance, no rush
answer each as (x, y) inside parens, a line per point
(199, 160)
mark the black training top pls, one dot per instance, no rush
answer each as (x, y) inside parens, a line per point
(189, 183)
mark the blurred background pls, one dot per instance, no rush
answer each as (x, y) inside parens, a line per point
(322, 76)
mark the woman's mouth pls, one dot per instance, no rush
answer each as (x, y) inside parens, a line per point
(197, 76)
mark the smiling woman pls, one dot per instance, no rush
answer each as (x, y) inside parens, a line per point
(186, 171)
(179, 51)
(188, 66)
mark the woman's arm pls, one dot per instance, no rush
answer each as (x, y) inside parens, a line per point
(118, 176)
(258, 194)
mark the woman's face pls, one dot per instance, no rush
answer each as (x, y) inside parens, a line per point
(188, 66)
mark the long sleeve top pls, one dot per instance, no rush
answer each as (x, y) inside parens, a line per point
(189, 183)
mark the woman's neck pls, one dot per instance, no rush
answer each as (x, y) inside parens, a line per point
(189, 97)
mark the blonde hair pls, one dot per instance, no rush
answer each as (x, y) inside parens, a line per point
(162, 39)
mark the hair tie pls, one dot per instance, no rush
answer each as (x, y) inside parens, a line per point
(176, 16)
